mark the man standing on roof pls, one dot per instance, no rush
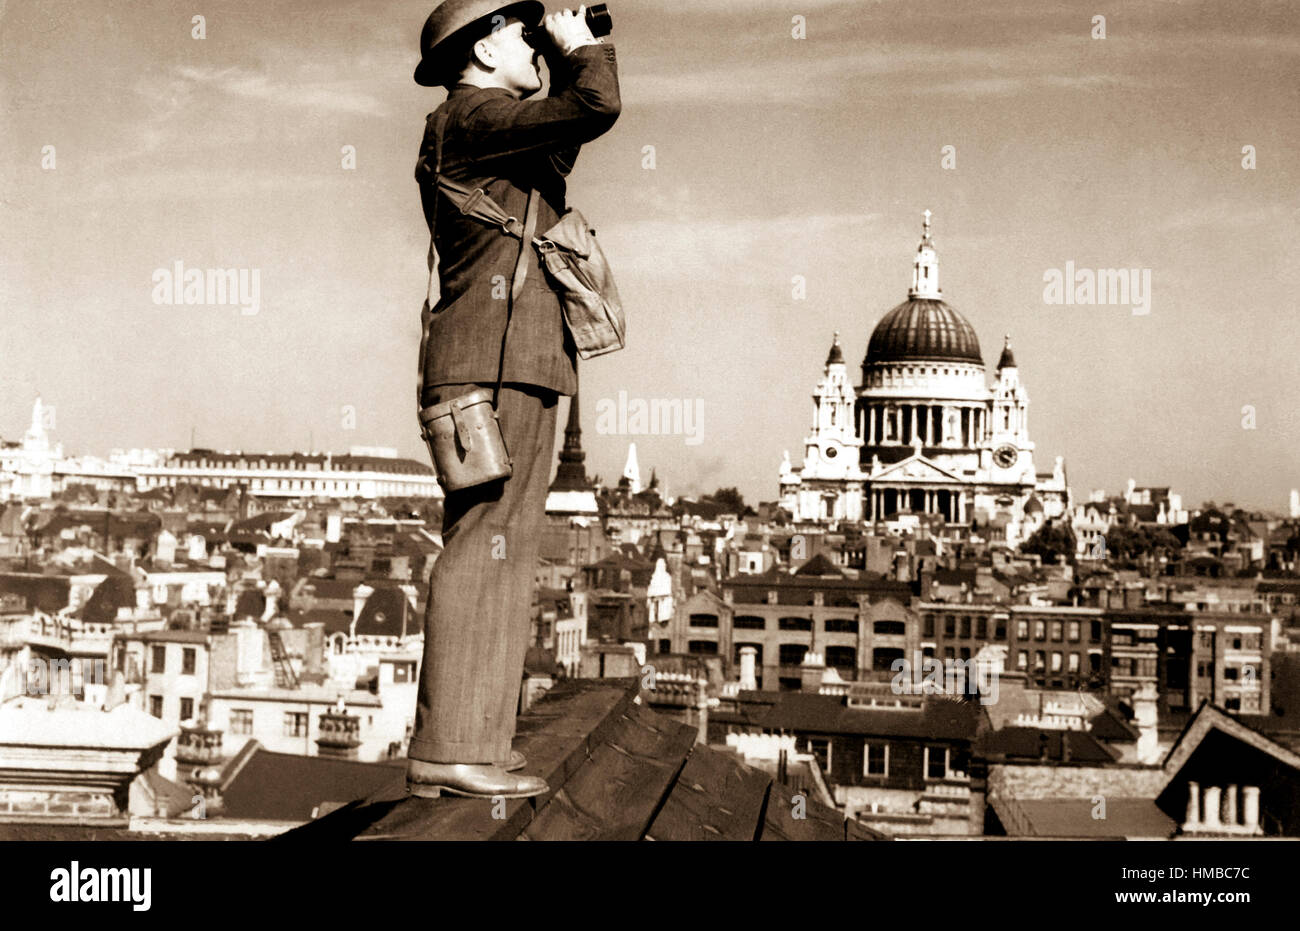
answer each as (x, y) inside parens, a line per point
(476, 628)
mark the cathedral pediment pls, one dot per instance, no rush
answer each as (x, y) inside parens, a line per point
(915, 469)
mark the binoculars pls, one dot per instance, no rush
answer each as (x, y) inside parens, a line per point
(598, 21)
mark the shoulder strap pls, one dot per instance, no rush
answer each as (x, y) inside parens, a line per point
(517, 285)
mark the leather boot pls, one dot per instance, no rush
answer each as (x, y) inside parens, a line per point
(516, 762)
(430, 780)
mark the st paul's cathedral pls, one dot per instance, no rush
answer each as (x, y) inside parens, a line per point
(924, 434)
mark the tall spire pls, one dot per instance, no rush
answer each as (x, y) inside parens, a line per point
(38, 418)
(925, 267)
(571, 475)
(632, 471)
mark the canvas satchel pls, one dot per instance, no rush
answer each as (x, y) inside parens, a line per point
(577, 265)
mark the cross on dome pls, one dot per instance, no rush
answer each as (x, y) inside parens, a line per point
(925, 268)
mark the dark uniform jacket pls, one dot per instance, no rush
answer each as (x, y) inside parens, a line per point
(507, 146)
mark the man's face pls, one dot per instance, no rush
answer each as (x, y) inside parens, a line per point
(516, 60)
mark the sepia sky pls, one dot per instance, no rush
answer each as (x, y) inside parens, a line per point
(773, 157)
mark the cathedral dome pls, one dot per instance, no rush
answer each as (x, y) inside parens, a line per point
(923, 329)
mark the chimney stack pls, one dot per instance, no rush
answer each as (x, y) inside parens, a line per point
(812, 671)
(748, 677)
(702, 710)
(1146, 717)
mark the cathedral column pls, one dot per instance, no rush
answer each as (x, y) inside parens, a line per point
(868, 425)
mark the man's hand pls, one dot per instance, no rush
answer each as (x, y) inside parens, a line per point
(568, 30)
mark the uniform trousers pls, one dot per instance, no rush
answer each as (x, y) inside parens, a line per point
(477, 619)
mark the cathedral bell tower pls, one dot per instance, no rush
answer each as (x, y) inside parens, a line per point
(1010, 434)
(833, 432)
(829, 485)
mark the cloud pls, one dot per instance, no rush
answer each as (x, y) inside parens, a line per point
(239, 82)
(697, 248)
(1230, 214)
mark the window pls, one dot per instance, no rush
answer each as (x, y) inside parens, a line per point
(842, 657)
(875, 759)
(936, 762)
(981, 628)
(1073, 666)
(820, 747)
(791, 654)
(665, 646)
(1074, 631)
(949, 653)
(187, 661)
(702, 647)
(950, 625)
(295, 724)
(187, 709)
(158, 659)
(156, 705)
(1056, 631)
(241, 721)
(965, 626)
(795, 623)
(844, 625)
(704, 620)
(1094, 632)
(1022, 660)
(1040, 630)
(1230, 673)
(1000, 631)
(1040, 661)
(1022, 630)
(893, 628)
(749, 623)
(927, 628)
(1056, 661)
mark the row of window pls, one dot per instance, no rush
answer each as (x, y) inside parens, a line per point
(832, 625)
(967, 627)
(789, 654)
(936, 760)
(1056, 661)
(1144, 666)
(294, 723)
(158, 660)
(156, 707)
